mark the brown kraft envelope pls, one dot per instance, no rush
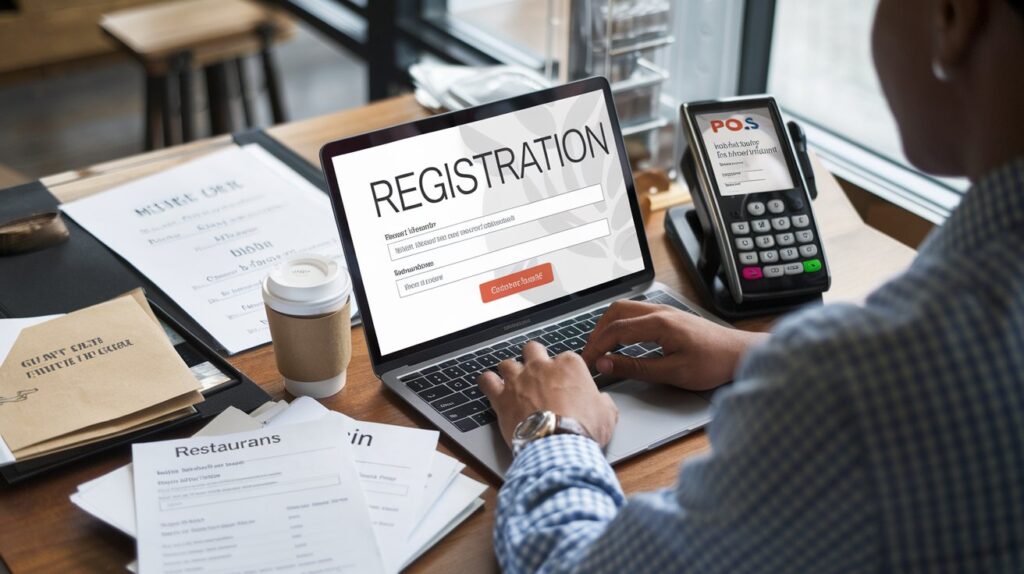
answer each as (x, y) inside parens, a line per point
(102, 432)
(86, 368)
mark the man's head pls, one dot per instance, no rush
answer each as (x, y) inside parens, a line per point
(952, 73)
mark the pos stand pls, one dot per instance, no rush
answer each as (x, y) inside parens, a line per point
(689, 229)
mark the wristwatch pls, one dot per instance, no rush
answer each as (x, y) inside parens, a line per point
(541, 424)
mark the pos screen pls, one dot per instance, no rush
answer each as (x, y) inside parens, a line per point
(745, 151)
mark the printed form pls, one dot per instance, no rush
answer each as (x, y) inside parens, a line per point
(393, 464)
(284, 499)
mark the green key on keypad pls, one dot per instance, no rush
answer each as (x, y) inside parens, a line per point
(812, 265)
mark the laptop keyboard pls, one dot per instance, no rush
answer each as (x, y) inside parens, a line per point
(450, 386)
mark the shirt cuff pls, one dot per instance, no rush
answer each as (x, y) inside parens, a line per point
(561, 451)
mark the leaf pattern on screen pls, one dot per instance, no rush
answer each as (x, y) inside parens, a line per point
(614, 255)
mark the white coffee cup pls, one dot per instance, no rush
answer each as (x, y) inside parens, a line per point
(308, 310)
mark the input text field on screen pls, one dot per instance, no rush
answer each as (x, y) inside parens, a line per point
(483, 225)
(484, 262)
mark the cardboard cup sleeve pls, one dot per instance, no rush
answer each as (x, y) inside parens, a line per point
(313, 348)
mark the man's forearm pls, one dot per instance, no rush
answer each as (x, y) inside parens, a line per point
(557, 499)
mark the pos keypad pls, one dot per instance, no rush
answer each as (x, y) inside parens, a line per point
(774, 240)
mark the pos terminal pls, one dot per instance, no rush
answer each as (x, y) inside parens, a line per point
(750, 238)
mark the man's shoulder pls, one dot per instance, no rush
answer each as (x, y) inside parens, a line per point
(829, 345)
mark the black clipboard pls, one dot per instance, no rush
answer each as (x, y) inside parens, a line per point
(83, 271)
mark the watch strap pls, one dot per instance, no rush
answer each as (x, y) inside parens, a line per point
(569, 425)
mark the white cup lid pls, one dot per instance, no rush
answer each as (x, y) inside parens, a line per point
(306, 284)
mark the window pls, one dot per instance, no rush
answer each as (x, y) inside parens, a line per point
(822, 73)
(702, 61)
(520, 23)
(660, 53)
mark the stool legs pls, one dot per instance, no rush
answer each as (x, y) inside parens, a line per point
(170, 107)
(217, 97)
(170, 97)
(186, 95)
(153, 111)
(168, 100)
(266, 33)
(243, 91)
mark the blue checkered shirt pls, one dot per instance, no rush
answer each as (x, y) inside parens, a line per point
(887, 437)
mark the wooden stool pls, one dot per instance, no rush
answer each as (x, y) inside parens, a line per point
(172, 40)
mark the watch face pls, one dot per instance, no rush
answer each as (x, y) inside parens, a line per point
(534, 424)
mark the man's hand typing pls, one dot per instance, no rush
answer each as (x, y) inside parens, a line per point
(559, 384)
(698, 354)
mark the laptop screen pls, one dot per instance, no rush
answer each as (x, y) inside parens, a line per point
(471, 223)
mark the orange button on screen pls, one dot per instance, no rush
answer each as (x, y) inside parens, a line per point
(517, 282)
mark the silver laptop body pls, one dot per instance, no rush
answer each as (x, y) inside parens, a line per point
(650, 415)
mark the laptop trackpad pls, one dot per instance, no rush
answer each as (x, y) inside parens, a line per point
(651, 414)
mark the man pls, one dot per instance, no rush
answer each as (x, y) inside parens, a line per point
(883, 437)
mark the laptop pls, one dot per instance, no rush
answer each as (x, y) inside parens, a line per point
(470, 233)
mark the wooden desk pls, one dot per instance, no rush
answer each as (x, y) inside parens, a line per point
(43, 532)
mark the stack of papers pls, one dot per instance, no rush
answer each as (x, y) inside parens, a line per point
(399, 489)
(100, 372)
(449, 87)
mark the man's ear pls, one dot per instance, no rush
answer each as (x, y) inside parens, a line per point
(955, 31)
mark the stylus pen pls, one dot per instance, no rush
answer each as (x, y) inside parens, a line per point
(796, 133)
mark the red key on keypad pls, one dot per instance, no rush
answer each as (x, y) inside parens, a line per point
(752, 273)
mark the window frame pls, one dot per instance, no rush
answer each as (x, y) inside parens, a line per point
(921, 194)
